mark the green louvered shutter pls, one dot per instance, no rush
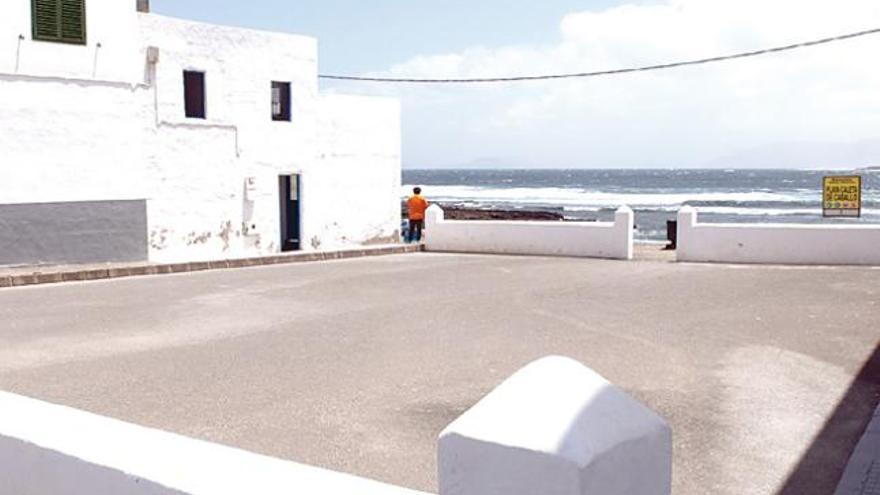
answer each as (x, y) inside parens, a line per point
(45, 15)
(59, 20)
(73, 21)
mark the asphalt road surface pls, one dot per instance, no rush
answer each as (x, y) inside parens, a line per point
(357, 365)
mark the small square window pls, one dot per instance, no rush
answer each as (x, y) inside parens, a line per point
(194, 94)
(281, 101)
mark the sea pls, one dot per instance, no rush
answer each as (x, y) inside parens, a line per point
(734, 196)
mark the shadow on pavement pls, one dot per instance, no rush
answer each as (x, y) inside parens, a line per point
(822, 466)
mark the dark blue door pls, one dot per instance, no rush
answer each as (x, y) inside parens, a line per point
(289, 192)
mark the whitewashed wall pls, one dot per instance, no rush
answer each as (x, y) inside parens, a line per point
(354, 186)
(73, 131)
(776, 243)
(112, 24)
(72, 140)
(580, 239)
(198, 167)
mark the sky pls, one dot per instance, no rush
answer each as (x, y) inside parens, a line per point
(818, 107)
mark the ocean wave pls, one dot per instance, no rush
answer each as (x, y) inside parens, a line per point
(570, 197)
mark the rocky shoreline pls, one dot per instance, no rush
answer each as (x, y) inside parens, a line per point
(459, 213)
(453, 212)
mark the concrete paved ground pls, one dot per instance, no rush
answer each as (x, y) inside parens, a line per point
(356, 365)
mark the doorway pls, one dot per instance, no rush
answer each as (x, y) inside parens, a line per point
(289, 193)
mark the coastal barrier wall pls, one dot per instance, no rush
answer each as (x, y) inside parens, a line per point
(553, 427)
(776, 243)
(612, 240)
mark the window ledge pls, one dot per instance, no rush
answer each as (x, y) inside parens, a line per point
(82, 43)
(197, 122)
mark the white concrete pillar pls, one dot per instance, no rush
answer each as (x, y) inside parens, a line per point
(434, 215)
(686, 222)
(556, 428)
(624, 223)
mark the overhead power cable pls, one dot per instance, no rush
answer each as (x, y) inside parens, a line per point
(611, 72)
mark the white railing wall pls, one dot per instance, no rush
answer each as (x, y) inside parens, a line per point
(576, 239)
(803, 244)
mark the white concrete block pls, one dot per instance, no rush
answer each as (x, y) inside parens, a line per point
(807, 244)
(556, 428)
(47, 449)
(624, 225)
(434, 215)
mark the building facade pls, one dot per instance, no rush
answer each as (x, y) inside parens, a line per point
(128, 136)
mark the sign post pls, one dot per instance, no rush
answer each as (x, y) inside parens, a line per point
(842, 196)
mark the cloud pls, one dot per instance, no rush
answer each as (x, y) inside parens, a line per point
(681, 117)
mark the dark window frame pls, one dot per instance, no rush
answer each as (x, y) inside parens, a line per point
(284, 92)
(56, 33)
(195, 98)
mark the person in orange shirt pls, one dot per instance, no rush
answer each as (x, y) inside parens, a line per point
(416, 206)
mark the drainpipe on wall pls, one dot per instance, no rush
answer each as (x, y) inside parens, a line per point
(152, 60)
(143, 6)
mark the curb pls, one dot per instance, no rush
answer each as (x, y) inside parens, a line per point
(199, 266)
(862, 474)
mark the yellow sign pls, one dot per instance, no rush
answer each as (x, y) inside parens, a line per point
(842, 196)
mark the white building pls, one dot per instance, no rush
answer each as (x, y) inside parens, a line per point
(125, 136)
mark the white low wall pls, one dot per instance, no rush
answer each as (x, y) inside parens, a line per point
(578, 239)
(52, 450)
(556, 428)
(776, 243)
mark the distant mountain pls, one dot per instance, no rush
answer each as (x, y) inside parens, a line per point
(852, 155)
